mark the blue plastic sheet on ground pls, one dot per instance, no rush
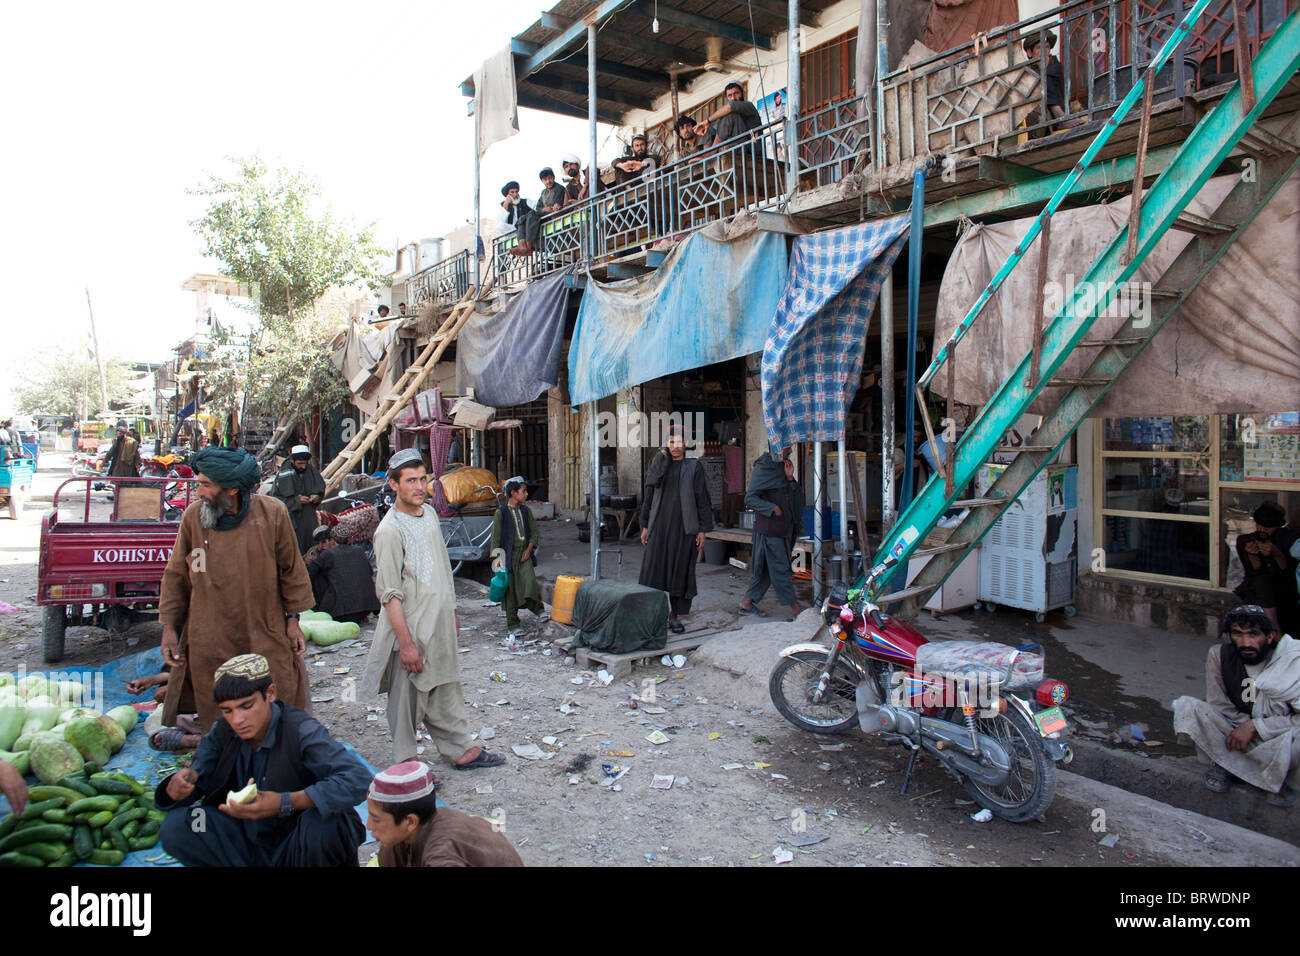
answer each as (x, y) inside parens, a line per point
(710, 301)
(136, 758)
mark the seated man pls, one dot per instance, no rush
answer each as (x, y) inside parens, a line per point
(1249, 723)
(308, 783)
(576, 187)
(728, 121)
(552, 197)
(1269, 569)
(406, 820)
(638, 162)
(341, 581)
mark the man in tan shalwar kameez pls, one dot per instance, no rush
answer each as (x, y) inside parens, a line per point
(234, 584)
(1249, 723)
(413, 656)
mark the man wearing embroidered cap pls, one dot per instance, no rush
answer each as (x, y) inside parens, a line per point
(514, 547)
(234, 584)
(413, 655)
(302, 812)
(414, 831)
(300, 486)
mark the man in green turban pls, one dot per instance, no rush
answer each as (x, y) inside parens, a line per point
(234, 584)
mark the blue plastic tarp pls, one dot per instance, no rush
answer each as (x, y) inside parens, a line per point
(709, 301)
(136, 758)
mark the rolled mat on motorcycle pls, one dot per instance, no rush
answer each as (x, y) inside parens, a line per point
(983, 710)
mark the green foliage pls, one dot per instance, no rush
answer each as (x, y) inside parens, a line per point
(269, 229)
(63, 382)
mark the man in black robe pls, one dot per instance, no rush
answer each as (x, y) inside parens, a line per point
(777, 501)
(300, 486)
(342, 581)
(675, 515)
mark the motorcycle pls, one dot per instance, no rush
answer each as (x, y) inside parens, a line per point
(983, 710)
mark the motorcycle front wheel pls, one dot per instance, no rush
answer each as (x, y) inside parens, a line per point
(793, 685)
(1031, 786)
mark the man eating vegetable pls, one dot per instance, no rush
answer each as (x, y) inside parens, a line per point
(268, 787)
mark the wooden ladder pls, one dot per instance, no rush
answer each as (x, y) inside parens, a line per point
(392, 404)
(282, 429)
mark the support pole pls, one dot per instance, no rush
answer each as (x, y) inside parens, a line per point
(99, 361)
(819, 528)
(886, 309)
(845, 561)
(882, 69)
(593, 515)
(915, 236)
(478, 226)
(593, 170)
(793, 98)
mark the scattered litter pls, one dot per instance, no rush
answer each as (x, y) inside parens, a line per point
(984, 816)
(340, 671)
(605, 677)
(530, 751)
(498, 676)
(499, 703)
(575, 680)
(779, 776)
(462, 650)
(880, 782)
(662, 781)
(620, 753)
(824, 766)
(568, 707)
(487, 733)
(733, 766)
(420, 749)
(550, 741)
(1109, 840)
(372, 716)
(579, 763)
(834, 748)
(714, 735)
(1136, 731)
(1154, 743)
(759, 765)
(679, 660)
(574, 780)
(657, 737)
(483, 788)
(930, 794)
(866, 829)
(654, 710)
(9, 608)
(321, 700)
(809, 839)
(666, 660)
(650, 857)
(781, 855)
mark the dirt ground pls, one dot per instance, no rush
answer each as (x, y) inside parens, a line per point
(826, 800)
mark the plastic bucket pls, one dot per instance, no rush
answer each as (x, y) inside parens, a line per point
(566, 589)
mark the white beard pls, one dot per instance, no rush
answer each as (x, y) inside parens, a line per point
(211, 512)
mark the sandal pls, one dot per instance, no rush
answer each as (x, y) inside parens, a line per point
(173, 740)
(1283, 798)
(752, 610)
(484, 759)
(1216, 779)
(677, 627)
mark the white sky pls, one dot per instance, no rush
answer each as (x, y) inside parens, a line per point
(112, 110)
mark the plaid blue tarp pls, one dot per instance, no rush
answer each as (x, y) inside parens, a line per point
(813, 356)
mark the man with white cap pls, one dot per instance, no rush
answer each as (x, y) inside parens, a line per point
(300, 486)
(414, 831)
(575, 187)
(413, 655)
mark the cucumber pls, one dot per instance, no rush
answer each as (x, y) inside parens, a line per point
(79, 785)
(57, 816)
(43, 833)
(148, 827)
(19, 859)
(106, 784)
(137, 788)
(91, 767)
(106, 857)
(124, 807)
(122, 819)
(69, 858)
(147, 801)
(49, 793)
(34, 810)
(81, 842)
(118, 841)
(131, 829)
(94, 805)
(46, 852)
(106, 845)
(7, 825)
(144, 842)
(101, 819)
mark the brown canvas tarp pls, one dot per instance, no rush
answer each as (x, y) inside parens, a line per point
(1233, 347)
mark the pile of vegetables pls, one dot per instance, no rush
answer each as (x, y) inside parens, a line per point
(319, 628)
(88, 815)
(42, 735)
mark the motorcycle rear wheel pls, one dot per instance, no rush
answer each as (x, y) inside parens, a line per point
(1029, 791)
(794, 682)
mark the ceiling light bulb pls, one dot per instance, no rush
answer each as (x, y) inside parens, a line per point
(654, 25)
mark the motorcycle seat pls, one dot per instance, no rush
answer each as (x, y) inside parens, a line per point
(982, 661)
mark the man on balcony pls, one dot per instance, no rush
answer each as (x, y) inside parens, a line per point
(518, 217)
(552, 197)
(636, 164)
(687, 143)
(575, 190)
(732, 118)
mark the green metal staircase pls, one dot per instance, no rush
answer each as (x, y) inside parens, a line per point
(1230, 124)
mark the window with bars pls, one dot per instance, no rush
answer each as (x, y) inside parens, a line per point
(828, 72)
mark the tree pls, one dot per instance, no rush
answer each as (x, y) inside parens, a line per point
(270, 229)
(62, 382)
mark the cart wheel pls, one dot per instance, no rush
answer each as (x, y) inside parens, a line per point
(56, 623)
(1070, 610)
(1040, 617)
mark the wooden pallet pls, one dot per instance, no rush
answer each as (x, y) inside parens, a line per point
(620, 665)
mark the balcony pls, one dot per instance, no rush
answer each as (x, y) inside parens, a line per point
(441, 284)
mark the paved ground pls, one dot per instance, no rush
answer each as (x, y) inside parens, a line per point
(824, 800)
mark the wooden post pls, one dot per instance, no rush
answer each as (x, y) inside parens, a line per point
(1043, 249)
(1135, 207)
(1242, 56)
